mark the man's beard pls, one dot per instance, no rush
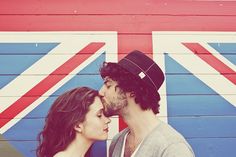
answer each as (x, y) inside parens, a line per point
(114, 108)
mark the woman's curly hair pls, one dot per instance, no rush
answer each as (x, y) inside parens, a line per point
(68, 109)
(145, 96)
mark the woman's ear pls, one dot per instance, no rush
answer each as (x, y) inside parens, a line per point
(78, 127)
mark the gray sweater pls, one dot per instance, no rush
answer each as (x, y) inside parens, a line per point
(163, 141)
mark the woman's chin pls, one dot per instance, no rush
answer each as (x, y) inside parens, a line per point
(103, 137)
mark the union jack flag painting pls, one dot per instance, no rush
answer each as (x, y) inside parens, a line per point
(198, 97)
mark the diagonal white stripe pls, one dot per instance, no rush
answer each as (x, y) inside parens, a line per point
(194, 64)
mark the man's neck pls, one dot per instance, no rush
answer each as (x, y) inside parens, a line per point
(140, 122)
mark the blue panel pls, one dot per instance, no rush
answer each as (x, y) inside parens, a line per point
(205, 126)
(5, 79)
(16, 64)
(26, 130)
(93, 81)
(225, 49)
(17, 58)
(26, 48)
(213, 147)
(184, 105)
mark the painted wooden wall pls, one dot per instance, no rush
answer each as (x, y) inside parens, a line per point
(48, 47)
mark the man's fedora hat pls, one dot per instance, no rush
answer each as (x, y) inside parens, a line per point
(145, 68)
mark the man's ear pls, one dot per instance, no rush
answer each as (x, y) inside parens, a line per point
(78, 127)
(132, 94)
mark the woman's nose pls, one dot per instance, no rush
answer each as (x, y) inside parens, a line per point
(107, 120)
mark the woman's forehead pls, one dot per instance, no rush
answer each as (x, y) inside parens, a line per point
(96, 105)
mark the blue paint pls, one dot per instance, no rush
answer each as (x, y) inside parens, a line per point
(15, 58)
(205, 126)
(197, 105)
(213, 147)
(26, 48)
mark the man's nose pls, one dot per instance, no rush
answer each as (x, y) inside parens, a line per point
(102, 91)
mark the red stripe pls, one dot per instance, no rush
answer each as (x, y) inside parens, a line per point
(214, 62)
(50, 81)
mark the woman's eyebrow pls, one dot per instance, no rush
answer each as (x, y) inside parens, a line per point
(99, 111)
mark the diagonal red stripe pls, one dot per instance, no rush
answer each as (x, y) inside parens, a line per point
(214, 62)
(47, 83)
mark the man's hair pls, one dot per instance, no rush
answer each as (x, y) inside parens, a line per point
(145, 96)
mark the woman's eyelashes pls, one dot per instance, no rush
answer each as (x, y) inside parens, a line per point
(100, 113)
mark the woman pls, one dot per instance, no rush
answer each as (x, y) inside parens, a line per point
(74, 122)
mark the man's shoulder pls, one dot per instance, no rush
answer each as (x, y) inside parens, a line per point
(116, 140)
(120, 134)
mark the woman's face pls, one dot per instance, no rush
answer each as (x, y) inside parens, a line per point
(95, 126)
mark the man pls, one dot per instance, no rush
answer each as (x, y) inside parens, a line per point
(130, 90)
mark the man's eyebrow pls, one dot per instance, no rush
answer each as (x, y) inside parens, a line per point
(106, 80)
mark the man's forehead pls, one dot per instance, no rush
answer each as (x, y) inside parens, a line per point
(108, 79)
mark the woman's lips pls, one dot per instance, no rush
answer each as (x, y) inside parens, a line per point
(106, 129)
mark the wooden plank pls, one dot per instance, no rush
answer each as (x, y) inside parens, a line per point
(135, 24)
(94, 81)
(17, 64)
(199, 105)
(28, 129)
(190, 127)
(178, 105)
(214, 147)
(205, 126)
(175, 84)
(190, 85)
(75, 7)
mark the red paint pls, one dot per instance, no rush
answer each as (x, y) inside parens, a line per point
(121, 7)
(50, 81)
(214, 62)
